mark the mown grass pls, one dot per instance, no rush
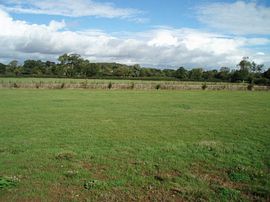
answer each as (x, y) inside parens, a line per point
(81, 145)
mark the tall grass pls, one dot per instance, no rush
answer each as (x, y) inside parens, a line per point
(52, 83)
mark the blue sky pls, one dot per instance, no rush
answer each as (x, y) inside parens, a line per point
(156, 33)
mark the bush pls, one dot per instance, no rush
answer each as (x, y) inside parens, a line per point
(15, 85)
(261, 81)
(62, 85)
(204, 86)
(110, 85)
(158, 86)
(132, 86)
(250, 86)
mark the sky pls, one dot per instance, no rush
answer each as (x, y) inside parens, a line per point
(155, 33)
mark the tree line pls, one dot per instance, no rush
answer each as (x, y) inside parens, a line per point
(74, 66)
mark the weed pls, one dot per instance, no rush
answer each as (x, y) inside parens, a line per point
(238, 176)
(65, 155)
(8, 182)
(71, 173)
(92, 184)
(228, 194)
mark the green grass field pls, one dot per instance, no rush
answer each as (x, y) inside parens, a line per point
(94, 145)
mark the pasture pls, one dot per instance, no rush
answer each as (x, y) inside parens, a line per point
(133, 145)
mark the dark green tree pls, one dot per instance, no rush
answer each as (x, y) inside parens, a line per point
(2, 68)
(196, 74)
(181, 73)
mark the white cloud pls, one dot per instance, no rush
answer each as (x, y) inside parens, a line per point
(55, 25)
(71, 8)
(260, 53)
(163, 38)
(160, 46)
(238, 18)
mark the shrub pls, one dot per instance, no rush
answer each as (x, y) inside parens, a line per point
(204, 86)
(15, 85)
(250, 86)
(110, 85)
(62, 85)
(132, 86)
(158, 86)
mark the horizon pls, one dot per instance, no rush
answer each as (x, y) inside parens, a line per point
(192, 34)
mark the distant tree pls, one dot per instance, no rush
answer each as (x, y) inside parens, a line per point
(35, 67)
(240, 75)
(181, 73)
(210, 75)
(71, 64)
(249, 70)
(266, 74)
(51, 68)
(145, 72)
(105, 70)
(256, 68)
(135, 70)
(169, 72)
(121, 71)
(14, 67)
(2, 68)
(223, 74)
(245, 64)
(90, 69)
(196, 74)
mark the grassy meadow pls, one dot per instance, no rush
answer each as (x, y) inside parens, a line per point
(132, 145)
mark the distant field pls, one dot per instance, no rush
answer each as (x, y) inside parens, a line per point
(57, 83)
(77, 145)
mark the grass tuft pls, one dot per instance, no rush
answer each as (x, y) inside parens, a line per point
(66, 155)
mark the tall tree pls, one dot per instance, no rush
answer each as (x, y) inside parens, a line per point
(2, 68)
(181, 73)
